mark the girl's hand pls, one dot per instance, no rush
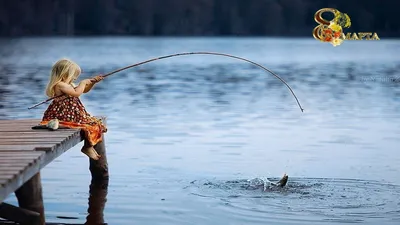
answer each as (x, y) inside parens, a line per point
(97, 79)
(86, 81)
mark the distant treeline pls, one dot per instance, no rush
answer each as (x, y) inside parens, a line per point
(189, 17)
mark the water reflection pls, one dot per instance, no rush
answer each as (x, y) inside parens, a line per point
(98, 190)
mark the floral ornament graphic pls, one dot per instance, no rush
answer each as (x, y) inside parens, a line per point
(331, 31)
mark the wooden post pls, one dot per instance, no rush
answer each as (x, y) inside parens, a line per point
(99, 185)
(30, 197)
(19, 215)
(99, 168)
(97, 200)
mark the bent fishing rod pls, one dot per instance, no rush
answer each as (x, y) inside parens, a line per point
(187, 53)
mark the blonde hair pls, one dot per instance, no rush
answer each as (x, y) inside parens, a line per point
(64, 70)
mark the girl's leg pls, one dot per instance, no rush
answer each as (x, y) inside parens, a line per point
(88, 150)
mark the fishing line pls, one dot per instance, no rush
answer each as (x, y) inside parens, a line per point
(188, 53)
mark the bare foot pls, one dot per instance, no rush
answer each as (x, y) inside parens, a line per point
(90, 152)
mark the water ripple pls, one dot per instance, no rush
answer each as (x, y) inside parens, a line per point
(304, 199)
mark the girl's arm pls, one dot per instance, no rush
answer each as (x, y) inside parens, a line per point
(93, 82)
(88, 87)
(76, 92)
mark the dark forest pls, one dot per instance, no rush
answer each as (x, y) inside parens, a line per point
(189, 17)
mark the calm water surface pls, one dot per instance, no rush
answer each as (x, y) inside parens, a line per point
(187, 133)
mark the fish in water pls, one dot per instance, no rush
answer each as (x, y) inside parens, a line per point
(283, 181)
(267, 184)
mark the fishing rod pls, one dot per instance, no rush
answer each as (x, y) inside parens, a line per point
(187, 53)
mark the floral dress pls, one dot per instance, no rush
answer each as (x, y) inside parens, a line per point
(71, 113)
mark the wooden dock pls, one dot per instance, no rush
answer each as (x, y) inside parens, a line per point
(23, 153)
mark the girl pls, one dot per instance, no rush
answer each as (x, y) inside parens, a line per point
(68, 109)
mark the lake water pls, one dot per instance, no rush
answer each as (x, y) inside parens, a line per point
(185, 134)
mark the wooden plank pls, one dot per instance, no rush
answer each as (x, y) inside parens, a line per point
(13, 157)
(31, 127)
(9, 164)
(37, 142)
(61, 148)
(32, 131)
(15, 171)
(35, 136)
(22, 129)
(21, 158)
(12, 123)
(21, 121)
(18, 153)
(12, 180)
(21, 155)
(39, 133)
(46, 142)
(24, 139)
(44, 147)
(7, 177)
(20, 162)
(19, 124)
(14, 167)
(5, 222)
(17, 160)
(37, 145)
(18, 157)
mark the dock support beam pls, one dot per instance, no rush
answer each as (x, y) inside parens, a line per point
(99, 185)
(30, 197)
(99, 168)
(19, 215)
